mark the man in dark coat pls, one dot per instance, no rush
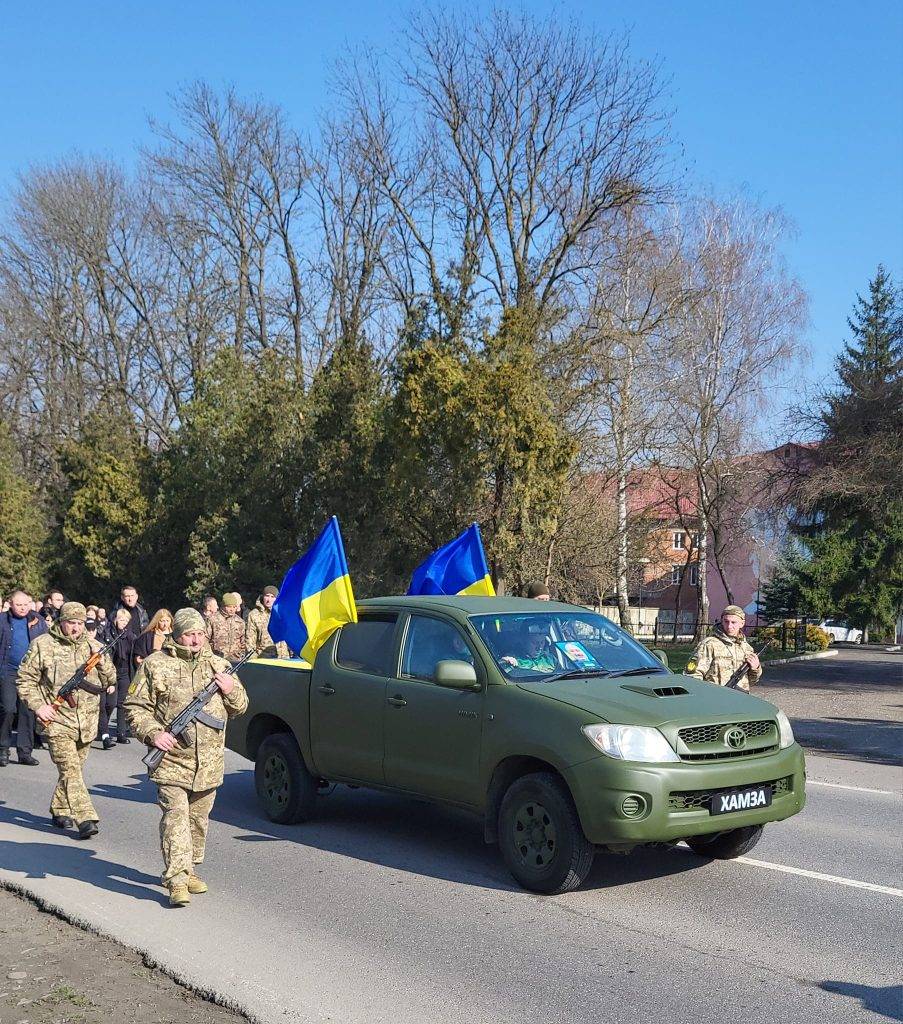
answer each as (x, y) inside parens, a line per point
(18, 627)
(128, 598)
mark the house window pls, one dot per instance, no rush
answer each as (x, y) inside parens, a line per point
(675, 575)
(677, 540)
(694, 540)
(694, 575)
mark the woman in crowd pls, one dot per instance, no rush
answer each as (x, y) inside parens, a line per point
(121, 654)
(158, 629)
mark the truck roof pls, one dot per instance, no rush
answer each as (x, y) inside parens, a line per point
(470, 605)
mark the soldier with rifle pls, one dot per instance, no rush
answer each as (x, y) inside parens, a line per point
(178, 704)
(60, 679)
(726, 657)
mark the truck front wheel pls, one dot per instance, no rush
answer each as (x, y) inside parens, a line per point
(726, 845)
(284, 786)
(540, 835)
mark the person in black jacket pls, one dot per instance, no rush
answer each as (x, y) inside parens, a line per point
(18, 627)
(128, 598)
(121, 656)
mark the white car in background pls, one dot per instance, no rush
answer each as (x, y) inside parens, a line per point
(838, 630)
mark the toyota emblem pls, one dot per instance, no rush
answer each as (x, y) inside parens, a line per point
(735, 738)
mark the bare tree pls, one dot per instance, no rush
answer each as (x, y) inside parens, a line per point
(737, 331)
(503, 148)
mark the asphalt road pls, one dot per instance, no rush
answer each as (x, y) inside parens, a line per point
(389, 909)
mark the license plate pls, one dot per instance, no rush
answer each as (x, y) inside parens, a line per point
(740, 800)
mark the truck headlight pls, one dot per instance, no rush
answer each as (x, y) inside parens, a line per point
(630, 742)
(785, 730)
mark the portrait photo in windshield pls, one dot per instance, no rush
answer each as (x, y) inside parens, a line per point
(536, 645)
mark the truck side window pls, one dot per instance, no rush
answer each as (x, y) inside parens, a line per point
(366, 646)
(429, 641)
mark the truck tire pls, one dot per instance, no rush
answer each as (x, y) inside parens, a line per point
(540, 835)
(726, 845)
(284, 786)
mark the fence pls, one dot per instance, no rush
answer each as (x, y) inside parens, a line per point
(658, 626)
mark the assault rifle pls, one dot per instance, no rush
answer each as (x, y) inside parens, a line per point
(78, 680)
(734, 682)
(193, 712)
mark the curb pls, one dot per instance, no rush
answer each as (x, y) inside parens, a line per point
(800, 657)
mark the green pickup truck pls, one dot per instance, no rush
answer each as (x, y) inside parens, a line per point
(546, 719)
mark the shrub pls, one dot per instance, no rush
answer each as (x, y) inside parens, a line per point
(816, 638)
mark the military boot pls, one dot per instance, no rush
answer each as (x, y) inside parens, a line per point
(196, 885)
(179, 896)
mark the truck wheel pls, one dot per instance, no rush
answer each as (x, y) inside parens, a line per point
(726, 845)
(540, 835)
(285, 787)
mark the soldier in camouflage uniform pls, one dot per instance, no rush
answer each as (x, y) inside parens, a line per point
(187, 778)
(226, 629)
(50, 661)
(721, 654)
(257, 635)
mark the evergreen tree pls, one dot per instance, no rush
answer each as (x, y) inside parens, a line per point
(103, 508)
(23, 530)
(851, 514)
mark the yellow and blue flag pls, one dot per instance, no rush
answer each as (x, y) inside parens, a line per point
(315, 597)
(458, 567)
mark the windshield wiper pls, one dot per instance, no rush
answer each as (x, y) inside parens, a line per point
(577, 673)
(650, 671)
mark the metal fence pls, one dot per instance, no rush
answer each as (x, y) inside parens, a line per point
(653, 627)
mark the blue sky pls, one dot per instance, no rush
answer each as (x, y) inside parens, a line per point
(800, 102)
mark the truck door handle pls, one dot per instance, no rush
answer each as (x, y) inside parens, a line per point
(397, 701)
(327, 690)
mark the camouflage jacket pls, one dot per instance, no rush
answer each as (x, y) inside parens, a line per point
(719, 656)
(49, 662)
(226, 635)
(166, 681)
(257, 635)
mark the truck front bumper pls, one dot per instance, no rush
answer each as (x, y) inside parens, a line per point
(626, 802)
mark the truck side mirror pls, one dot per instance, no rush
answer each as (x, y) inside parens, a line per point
(661, 655)
(456, 675)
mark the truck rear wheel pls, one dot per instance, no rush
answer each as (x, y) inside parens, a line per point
(726, 845)
(540, 835)
(284, 786)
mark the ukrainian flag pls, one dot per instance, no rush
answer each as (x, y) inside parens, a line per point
(315, 597)
(457, 568)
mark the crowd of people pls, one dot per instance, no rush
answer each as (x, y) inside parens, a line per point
(133, 635)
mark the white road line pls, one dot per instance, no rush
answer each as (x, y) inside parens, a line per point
(856, 789)
(836, 879)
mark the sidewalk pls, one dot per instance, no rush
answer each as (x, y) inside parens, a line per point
(52, 972)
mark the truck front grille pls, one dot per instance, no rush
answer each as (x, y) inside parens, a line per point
(698, 799)
(712, 733)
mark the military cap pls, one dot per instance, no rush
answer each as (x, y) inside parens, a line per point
(73, 611)
(231, 600)
(735, 609)
(538, 590)
(185, 620)
(273, 591)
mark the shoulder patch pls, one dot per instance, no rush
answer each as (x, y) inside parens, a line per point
(691, 665)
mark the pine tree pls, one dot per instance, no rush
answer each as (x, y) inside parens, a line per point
(851, 514)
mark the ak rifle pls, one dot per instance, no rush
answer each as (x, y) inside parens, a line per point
(734, 682)
(78, 680)
(193, 712)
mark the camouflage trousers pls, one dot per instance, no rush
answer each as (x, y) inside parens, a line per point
(70, 798)
(183, 830)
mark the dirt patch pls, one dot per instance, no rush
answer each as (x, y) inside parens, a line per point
(52, 972)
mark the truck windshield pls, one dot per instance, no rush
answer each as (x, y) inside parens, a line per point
(540, 645)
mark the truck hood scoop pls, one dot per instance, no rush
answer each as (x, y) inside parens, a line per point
(657, 691)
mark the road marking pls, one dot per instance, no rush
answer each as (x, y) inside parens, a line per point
(836, 879)
(856, 789)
